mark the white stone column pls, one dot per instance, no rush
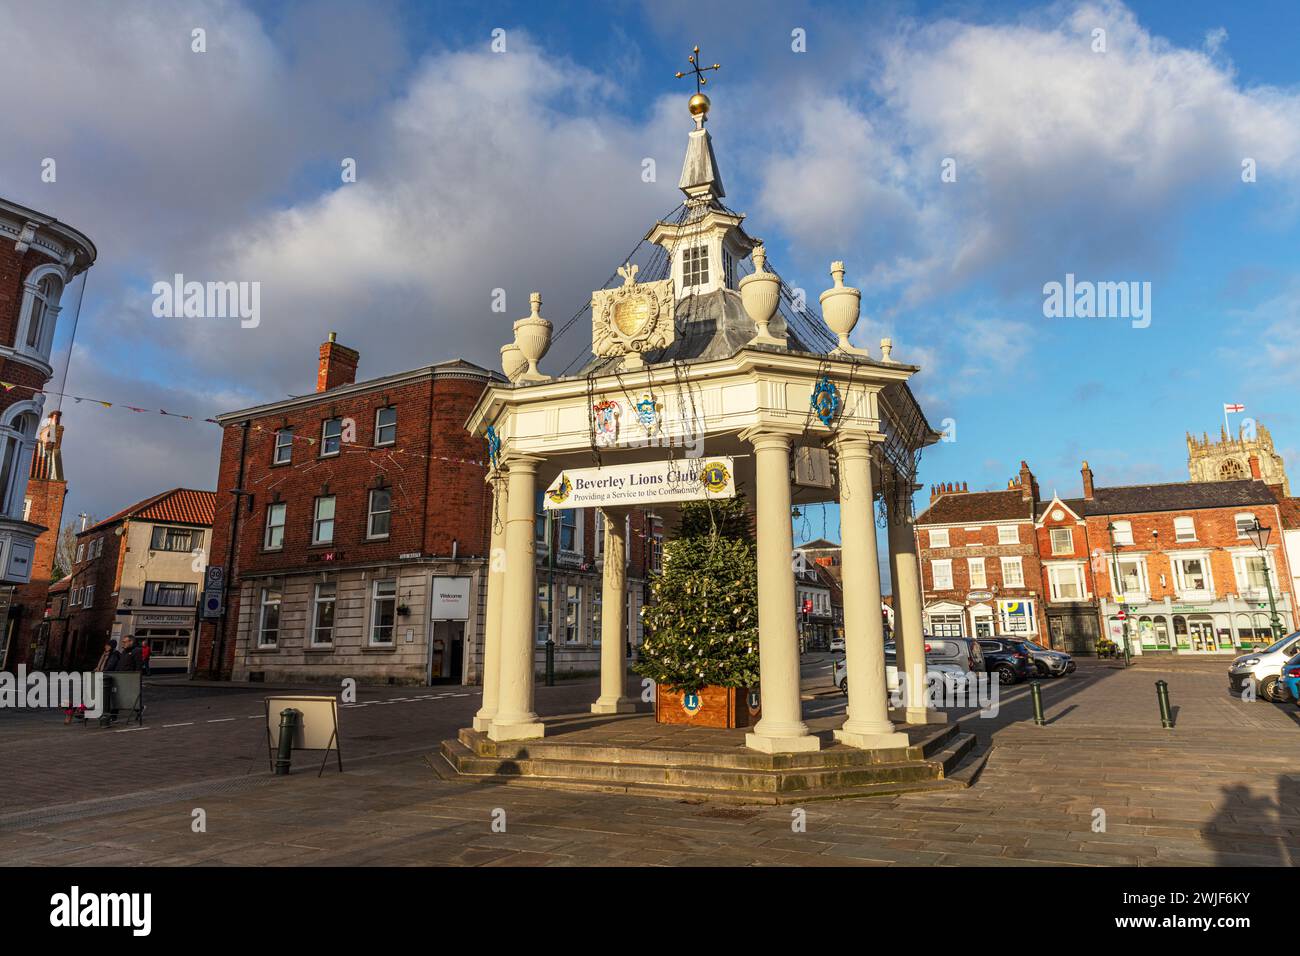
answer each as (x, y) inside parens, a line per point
(496, 578)
(613, 619)
(909, 632)
(781, 728)
(867, 725)
(515, 718)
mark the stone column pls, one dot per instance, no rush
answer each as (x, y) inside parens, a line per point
(515, 718)
(613, 619)
(867, 725)
(781, 728)
(909, 633)
(496, 578)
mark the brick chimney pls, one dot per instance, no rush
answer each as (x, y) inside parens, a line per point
(338, 365)
(1087, 481)
(1028, 485)
(1254, 468)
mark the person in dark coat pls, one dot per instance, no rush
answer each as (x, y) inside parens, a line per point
(130, 659)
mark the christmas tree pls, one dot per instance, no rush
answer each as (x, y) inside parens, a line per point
(702, 629)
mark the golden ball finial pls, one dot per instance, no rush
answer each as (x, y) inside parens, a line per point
(699, 104)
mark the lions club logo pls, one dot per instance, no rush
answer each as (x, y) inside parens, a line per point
(691, 703)
(715, 477)
(560, 491)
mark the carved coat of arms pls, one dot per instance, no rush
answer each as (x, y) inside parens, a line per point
(633, 318)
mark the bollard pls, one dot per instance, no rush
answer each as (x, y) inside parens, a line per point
(550, 662)
(1162, 697)
(289, 718)
(1036, 692)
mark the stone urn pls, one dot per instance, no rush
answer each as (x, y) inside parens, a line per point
(513, 362)
(761, 294)
(840, 308)
(533, 339)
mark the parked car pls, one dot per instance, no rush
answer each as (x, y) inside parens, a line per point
(1049, 663)
(1008, 658)
(1291, 678)
(953, 657)
(837, 643)
(1264, 668)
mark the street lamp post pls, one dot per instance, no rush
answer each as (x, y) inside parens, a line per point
(1119, 591)
(1258, 535)
(550, 599)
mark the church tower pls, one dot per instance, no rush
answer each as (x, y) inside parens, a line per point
(1248, 455)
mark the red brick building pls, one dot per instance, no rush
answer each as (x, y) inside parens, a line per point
(1176, 556)
(980, 568)
(46, 490)
(352, 527)
(39, 258)
(137, 573)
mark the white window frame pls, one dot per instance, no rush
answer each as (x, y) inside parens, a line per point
(283, 444)
(267, 602)
(983, 580)
(372, 513)
(317, 600)
(1185, 592)
(39, 310)
(1189, 521)
(1069, 538)
(939, 538)
(1123, 532)
(89, 594)
(695, 266)
(326, 437)
(317, 520)
(1056, 574)
(1241, 572)
(1144, 582)
(1247, 516)
(1008, 534)
(271, 526)
(1016, 563)
(375, 599)
(944, 582)
(379, 440)
(572, 614)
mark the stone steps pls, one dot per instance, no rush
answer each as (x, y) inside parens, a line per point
(938, 757)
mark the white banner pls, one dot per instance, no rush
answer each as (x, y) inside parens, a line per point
(689, 479)
(449, 598)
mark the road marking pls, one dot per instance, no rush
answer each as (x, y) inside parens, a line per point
(129, 730)
(186, 724)
(221, 720)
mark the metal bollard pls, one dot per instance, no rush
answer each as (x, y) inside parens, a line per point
(289, 718)
(550, 662)
(1036, 692)
(1162, 697)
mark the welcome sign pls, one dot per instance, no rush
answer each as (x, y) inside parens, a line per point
(689, 479)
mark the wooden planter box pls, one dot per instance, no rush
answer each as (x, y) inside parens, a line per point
(722, 707)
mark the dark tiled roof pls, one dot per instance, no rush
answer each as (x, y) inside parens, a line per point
(819, 544)
(180, 505)
(977, 506)
(1288, 507)
(1178, 496)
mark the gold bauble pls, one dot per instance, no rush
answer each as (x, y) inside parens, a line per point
(699, 104)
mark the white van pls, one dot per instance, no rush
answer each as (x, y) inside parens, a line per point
(1265, 669)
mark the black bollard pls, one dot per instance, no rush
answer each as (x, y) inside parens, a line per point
(550, 662)
(1162, 697)
(1036, 692)
(288, 730)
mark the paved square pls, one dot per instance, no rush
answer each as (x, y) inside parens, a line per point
(1222, 787)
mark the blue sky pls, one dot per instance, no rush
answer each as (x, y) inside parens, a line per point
(522, 171)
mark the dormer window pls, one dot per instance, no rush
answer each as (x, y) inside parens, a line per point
(695, 266)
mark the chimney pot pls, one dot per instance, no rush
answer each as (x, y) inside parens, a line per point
(1087, 481)
(1254, 468)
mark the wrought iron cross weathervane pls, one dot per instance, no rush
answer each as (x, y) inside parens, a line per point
(698, 71)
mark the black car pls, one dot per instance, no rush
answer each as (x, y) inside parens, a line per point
(1010, 659)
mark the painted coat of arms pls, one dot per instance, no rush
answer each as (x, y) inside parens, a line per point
(604, 420)
(648, 410)
(633, 318)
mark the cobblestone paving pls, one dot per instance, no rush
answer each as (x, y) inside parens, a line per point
(1222, 787)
